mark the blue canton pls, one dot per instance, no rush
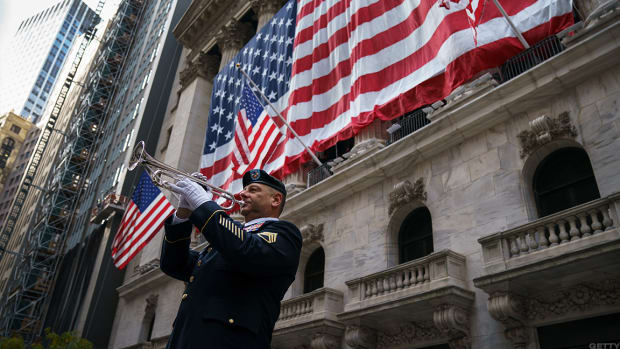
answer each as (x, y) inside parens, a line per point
(145, 192)
(267, 59)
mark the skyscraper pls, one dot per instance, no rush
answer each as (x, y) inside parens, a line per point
(38, 51)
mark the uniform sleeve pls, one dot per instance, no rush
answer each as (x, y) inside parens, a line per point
(177, 260)
(273, 250)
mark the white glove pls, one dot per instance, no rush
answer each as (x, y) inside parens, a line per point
(193, 193)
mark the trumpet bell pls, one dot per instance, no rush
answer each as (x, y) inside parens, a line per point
(137, 156)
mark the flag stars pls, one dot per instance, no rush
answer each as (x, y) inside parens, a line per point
(272, 76)
(289, 22)
(289, 41)
(212, 146)
(257, 52)
(230, 115)
(228, 135)
(272, 95)
(256, 70)
(215, 128)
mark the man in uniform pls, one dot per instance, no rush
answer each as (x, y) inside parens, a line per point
(234, 287)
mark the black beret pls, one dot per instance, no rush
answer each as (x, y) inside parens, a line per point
(260, 176)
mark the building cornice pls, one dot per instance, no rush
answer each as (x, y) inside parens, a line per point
(471, 115)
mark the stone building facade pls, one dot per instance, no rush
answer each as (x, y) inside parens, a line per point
(508, 261)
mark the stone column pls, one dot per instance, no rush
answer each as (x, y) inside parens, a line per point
(509, 309)
(192, 112)
(231, 38)
(265, 9)
(297, 182)
(585, 7)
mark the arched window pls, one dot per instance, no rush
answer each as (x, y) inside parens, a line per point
(562, 180)
(315, 269)
(415, 238)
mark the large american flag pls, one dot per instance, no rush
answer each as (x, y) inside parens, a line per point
(241, 134)
(357, 61)
(144, 216)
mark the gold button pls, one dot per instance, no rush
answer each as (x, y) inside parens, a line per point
(191, 278)
(199, 263)
(209, 249)
(231, 321)
(184, 296)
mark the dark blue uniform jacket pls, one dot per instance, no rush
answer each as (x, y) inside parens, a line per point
(234, 287)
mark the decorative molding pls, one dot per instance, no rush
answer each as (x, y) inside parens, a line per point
(358, 337)
(405, 192)
(205, 66)
(509, 309)
(453, 321)
(266, 6)
(324, 341)
(581, 298)
(144, 268)
(234, 36)
(311, 233)
(409, 334)
(545, 129)
(358, 152)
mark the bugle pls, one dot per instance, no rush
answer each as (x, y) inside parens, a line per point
(157, 170)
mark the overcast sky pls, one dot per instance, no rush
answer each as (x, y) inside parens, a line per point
(12, 12)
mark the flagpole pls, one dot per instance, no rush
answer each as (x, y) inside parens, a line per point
(512, 25)
(280, 115)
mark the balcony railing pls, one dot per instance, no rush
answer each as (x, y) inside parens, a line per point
(301, 318)
(111, 203)
(318, 174)
(562, 228)
(410, 123)
(444, 268)
(531, 57)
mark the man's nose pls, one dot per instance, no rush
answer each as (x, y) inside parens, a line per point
(243, 194)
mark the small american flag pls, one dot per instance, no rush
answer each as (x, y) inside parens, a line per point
(144, 216)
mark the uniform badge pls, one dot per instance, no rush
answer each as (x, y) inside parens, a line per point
(254, 227)
(269, 237)
(255, 174)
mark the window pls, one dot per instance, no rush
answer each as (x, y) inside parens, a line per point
(5, 150)
(415, 238)
(313, 277)
(562, 180)
(15, 129)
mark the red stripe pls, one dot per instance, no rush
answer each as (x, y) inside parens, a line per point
(459, 71)
(157, 211)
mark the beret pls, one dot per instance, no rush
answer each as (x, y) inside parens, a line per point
(260, 176)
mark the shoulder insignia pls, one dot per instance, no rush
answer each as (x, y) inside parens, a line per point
(231, 227)
(269, 237)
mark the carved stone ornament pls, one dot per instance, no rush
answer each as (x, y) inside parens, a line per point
(266, 6)
(311, 233)
(581, 298)
(234, 36)
(206, 66)
(358, 337)
(453, 321)
(543, 130)
(409, 334)
(324, 341)
(144, 268)
(510, 310)
(151, 304)
(405, 192)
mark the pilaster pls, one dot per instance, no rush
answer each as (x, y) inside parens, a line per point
(265, 9)
(231, 38)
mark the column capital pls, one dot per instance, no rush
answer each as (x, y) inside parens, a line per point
(266, 6)
(205, 66)
(233, 36)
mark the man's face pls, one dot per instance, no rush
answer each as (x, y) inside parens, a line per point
(259, 200)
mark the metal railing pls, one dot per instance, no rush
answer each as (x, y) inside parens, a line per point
(531, 57)
(318, 174)
(408, 124)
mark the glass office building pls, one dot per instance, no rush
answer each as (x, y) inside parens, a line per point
(38, 51)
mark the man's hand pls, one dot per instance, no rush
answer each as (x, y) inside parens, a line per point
(192, 194)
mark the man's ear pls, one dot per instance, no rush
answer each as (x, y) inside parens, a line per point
(276, 199)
